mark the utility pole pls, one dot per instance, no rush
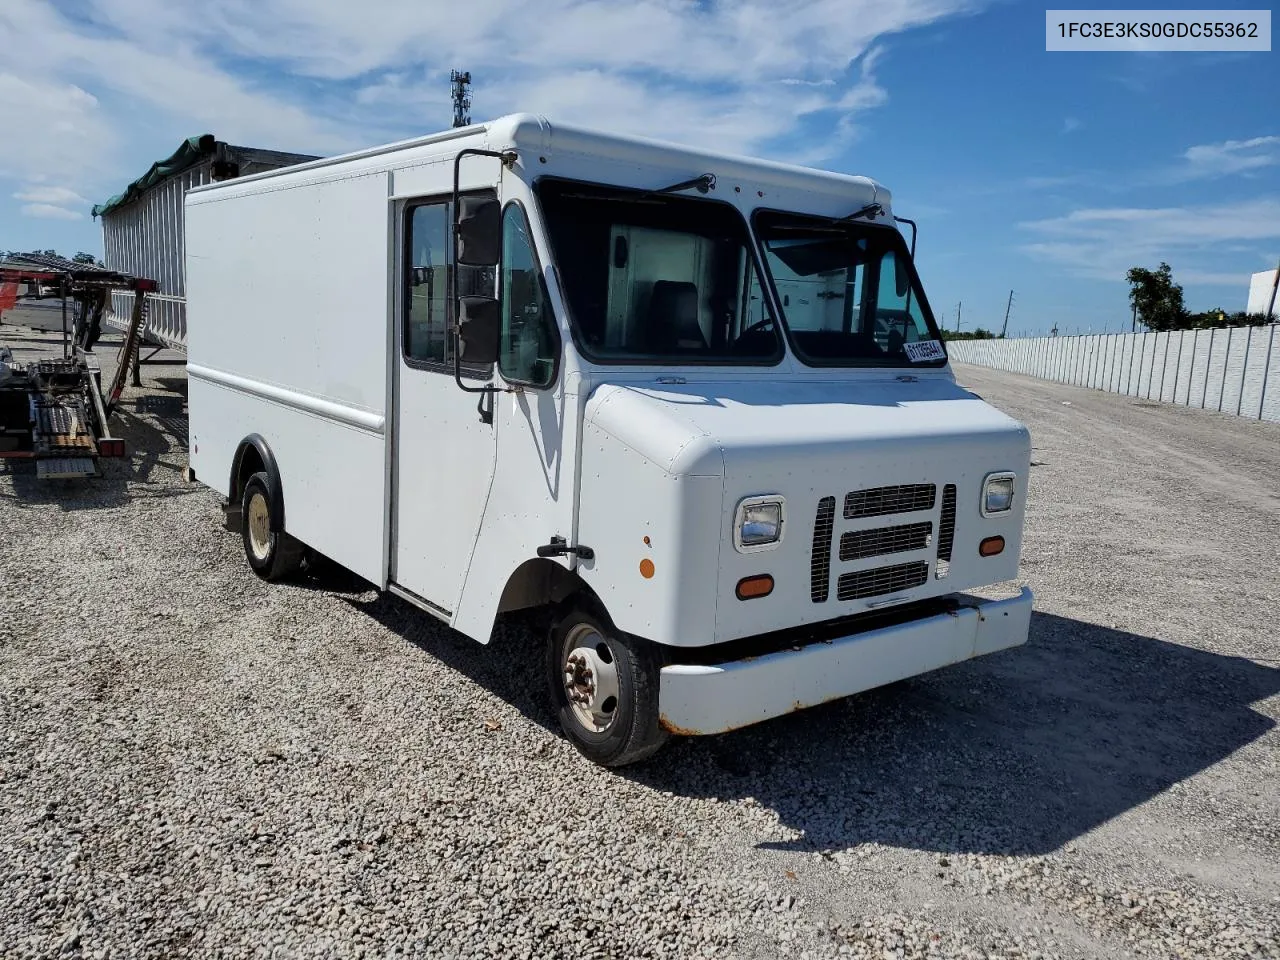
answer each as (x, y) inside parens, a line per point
(958, 306)
(461, 102)
(1134, 327)
(1008, 307)
(1275, 285)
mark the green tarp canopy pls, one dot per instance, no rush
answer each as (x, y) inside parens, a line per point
(189, 154)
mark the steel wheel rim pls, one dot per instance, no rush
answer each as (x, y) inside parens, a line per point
(590, 676)
(259, 527)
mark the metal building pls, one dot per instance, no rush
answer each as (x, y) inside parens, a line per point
(142, 227)
(1262, 292)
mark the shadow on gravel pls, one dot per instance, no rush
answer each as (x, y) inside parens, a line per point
(161, 443)
(1013, 754)
(509, 666)
(152, 446)
(322, 574)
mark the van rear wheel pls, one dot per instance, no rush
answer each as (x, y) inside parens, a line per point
(604, 687)
(271, 554)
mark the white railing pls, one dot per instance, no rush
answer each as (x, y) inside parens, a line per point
(1234, 370)
(166, 318)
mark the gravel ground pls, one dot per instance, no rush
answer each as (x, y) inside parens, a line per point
(194, 763)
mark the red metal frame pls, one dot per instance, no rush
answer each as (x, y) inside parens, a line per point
(104, 279)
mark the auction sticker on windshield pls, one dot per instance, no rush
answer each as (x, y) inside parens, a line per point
(921, 351)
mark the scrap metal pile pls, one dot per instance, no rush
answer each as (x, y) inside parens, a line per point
(54, 411)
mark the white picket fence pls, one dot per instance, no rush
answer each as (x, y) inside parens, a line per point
(1234, 370)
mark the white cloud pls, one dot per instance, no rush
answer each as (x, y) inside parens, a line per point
(117, 83)
(1215, 278)
(100, 94)
(334, 75)
(1049, 182)
(1200, 162)
(47, 211)
(57, 195)
(48, 127)
(1231, 156)
(1105, 242)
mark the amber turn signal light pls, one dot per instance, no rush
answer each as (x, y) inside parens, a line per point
(760, 585)
(991, 546)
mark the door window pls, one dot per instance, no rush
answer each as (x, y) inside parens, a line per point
(426, 331)
(428, 340)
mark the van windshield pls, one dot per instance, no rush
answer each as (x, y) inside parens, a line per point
(849, 292)
(655, 278)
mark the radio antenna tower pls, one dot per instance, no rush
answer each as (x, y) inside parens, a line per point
(461, 102)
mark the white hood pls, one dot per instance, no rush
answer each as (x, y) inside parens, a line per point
(684, 456)
(696, 428)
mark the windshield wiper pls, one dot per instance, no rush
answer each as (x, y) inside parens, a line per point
(704, 184)
(870, 211)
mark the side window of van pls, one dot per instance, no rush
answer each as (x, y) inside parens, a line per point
(530, 342)
(426, 331)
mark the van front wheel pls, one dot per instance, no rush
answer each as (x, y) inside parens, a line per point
(604, 686)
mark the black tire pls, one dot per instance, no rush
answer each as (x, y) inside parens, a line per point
(632, 732)
(272, 555)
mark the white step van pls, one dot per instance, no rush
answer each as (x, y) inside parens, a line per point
(694, 405)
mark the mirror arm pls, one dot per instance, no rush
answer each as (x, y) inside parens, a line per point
(508, 157)
(485, 409)
(912, 225)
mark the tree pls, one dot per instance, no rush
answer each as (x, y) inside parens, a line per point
(979, 334)
(82, 257)
(1217, 317)
(1156, 298)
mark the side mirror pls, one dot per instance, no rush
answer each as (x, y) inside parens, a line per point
(901, 276)
(479, 326)
(479, 237)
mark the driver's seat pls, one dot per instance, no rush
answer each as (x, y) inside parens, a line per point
(673, 317)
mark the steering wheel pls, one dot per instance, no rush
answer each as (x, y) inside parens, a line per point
(758, 325)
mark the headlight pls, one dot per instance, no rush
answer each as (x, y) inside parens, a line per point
(997, 494)
(758, 522)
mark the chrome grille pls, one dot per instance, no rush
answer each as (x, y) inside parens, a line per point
(820, 560)
(877, 501)
(875, 583)
(856, 544)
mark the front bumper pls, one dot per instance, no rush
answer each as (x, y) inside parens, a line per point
(698, 699)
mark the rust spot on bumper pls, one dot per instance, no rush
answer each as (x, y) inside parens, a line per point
(670, 727)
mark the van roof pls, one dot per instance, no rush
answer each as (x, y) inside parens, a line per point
(525, 132)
